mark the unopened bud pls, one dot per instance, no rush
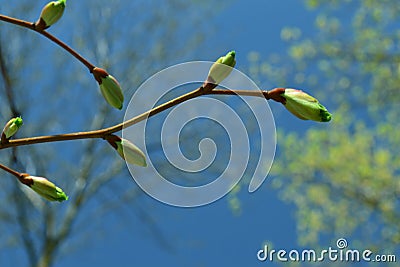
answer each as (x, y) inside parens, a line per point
(221, 69)
(127, 150)
(50, 14)
(305, 106)
(12, 127)
(109, 87)
(44, 187)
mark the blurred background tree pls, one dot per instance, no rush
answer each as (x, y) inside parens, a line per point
(58, 95)
(343, 178)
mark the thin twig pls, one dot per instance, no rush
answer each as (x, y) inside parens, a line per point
(13, 172)
(263, 94)
(31, 26)
(274, 94)
(102, 133)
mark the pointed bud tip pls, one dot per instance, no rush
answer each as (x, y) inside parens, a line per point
(18, 121)
(61, 196)
(326, 116)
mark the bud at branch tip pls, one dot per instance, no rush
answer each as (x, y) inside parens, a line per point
(12, 127)
(304, 106)
(109, 88)
(127, 150)
(50, 14)
(43, 187)
(220, 70)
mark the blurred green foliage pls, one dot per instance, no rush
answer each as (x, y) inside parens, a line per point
(344, 177)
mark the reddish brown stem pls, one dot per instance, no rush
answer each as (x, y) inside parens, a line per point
(54, 39)
(238, 92)
(13, 172)
(102, 133)
(3, 139)
(31, 26)
(275, 94)
(22, 177)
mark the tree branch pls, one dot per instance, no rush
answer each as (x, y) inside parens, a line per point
(31, 26)
(102, 133)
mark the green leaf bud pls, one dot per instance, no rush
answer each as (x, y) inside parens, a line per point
(127, 150)
(44, 188)
(50, 14)
(109, 87)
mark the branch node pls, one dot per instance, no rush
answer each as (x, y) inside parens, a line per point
(276, 95)
(4, 139)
